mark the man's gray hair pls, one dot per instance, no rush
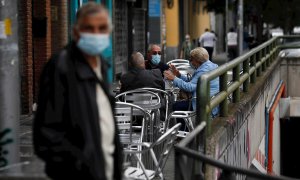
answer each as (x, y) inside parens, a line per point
(199, 54)
(150, 47)
(137, 60)
(89, 9)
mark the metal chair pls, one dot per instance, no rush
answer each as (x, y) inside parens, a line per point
(150, 102)
(167, 140)
(187, 116)
(128, 131)
(164, 95)
(146, 99)
(185, 69)
(177, 62)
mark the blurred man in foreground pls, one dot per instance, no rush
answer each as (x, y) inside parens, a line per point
(139, 77)
(74, 128)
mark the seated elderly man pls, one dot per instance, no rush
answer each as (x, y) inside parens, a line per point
(139, 77)
(199, 60)
(154, 59)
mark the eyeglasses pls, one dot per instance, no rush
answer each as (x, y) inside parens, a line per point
(156, 52)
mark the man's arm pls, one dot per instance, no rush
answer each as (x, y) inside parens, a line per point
(159, 79)
(201, 40)
(163, 67)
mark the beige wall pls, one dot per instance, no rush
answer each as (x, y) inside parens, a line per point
(199, 21)
(172, 24)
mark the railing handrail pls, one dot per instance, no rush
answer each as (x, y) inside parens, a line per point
(181, 149)
(225, 167)
(254, 63)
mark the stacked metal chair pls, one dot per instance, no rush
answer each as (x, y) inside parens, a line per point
(167, 140)
(149, 102)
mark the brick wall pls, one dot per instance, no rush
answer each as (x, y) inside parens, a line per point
(41, 45)
(59, 27)
(25, 43)
(35, 50)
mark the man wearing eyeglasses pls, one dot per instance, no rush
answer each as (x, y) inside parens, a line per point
(154, 59)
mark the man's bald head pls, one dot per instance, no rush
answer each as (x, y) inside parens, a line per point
(137, 60)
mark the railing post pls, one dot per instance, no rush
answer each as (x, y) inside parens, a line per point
(223, 87)
(263, 55)
(246, 70)
(269, 47)
(258, 58)
(253, 63)
(274, 46)
(203, 96)
(236, 77)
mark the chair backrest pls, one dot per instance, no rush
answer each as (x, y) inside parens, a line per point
(124, 115)
(168, 141)
(177, 62)
(164, 95)
(143, 98)
(179, 114)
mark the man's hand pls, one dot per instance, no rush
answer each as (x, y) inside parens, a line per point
(174, 70)
(169, 75)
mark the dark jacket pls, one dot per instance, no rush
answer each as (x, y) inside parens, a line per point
(140, 78)
(161, 66)
(66, 127)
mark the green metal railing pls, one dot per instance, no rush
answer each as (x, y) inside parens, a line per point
(190, 157)
(253, 64)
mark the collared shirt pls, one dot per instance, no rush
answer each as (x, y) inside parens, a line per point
(232, 39)
(107, 126)
(208, 39)
(191, 86)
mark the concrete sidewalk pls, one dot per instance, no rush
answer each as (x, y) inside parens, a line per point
(220, 58)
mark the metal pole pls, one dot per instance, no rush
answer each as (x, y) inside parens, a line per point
(241, 24)
(9, 85)
(226, 25)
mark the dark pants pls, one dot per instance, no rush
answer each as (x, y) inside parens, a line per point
(232, 52)
(210, 51)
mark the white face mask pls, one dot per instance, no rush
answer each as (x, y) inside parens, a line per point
(93, 44)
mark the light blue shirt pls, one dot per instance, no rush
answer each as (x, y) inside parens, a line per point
(191, 86)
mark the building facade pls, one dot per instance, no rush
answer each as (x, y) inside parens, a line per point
(183, 17)
(46, 27)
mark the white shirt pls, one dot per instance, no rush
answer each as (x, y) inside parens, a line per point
(232, 39)
(208, 39)
(107, 125)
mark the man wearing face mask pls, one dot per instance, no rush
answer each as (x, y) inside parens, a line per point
(154, 59)
(199, 60)
(74, 129)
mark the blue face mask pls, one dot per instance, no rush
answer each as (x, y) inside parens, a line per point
(93, 44)
(155, 59)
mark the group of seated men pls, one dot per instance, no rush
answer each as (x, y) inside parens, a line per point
(151, 73)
